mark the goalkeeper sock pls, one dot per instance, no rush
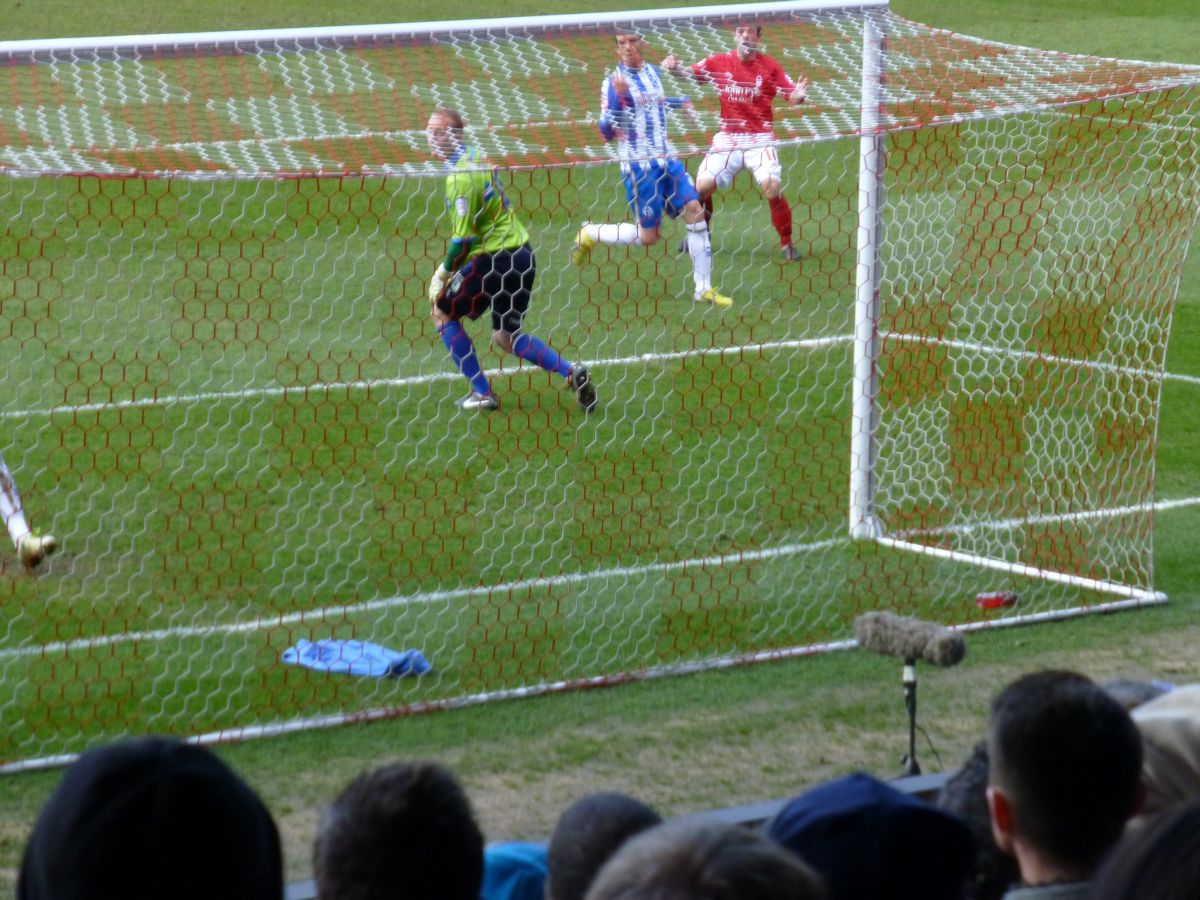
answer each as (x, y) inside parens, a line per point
(781, 218)
(10, 505)
(462, 351)
(528, 347)
(625, 233)
(700, 250)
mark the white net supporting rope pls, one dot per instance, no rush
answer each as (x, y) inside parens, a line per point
(225, 396)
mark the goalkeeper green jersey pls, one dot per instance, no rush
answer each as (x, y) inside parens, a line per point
(478, 207)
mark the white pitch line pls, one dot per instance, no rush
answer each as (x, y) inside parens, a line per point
(1186, 379)
(338, 612)
(1046, 518)
(412, 380)
(216, 396)
(408, 134)
(324, 614)
(1034, 355)
(820, 343)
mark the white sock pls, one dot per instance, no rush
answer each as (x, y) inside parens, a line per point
(10, 505)
(625, 233)
(700, 250)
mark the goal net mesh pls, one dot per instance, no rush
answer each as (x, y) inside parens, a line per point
(224, 395)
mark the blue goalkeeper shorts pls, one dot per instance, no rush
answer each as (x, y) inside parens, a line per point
(653, 188)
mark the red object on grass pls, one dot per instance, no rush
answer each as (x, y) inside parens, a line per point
(996, 599)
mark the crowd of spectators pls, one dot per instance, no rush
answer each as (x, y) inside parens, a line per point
(1079, 791)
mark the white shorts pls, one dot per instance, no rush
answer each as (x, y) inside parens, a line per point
(723, 162)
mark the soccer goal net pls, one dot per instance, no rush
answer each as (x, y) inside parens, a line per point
(225, 395)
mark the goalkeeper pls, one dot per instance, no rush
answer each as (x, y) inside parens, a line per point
(489, 264)
(747, 81)
(32, 547)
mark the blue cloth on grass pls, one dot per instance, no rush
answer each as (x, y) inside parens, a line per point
(355, 658)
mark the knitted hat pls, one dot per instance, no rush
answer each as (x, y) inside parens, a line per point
(871, 841)
(152, 818)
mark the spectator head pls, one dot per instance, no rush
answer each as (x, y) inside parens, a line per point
(588, 833)
(151, 818)
(868, 839)
(1170, 729)
(1064, 775)
(1158, 862)
(404, 830)
(702, 861)
(965, 795)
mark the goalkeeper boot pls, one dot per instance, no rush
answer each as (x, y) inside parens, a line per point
(582, 249)
(581, 383)
(32, 548)
(476, 400)
(715, 297)
(790, 253)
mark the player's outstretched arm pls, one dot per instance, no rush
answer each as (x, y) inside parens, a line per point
(674, 65)
(615, 103)
(800, 93)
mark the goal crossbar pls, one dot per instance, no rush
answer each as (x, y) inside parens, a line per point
(316, 34)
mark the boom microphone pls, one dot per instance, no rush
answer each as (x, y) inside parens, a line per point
(910, 639)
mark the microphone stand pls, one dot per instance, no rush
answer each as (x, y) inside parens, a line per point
(910, 702)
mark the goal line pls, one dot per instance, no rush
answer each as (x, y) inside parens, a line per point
(335, 612)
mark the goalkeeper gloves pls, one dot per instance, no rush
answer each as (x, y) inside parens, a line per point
(437, 285)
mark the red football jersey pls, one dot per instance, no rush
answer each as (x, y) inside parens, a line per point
(747, 90)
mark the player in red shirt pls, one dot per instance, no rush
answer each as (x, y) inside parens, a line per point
(747, 81)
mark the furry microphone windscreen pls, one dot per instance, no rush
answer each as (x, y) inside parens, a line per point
(892, 635)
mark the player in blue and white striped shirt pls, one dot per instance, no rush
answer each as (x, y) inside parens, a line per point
(633, 109)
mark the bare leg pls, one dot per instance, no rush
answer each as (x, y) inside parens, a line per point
(10, 506)
(31, 548)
